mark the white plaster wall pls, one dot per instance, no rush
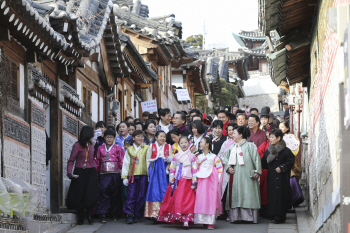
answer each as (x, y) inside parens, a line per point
(101, 109)
(79, 91)
(21, 89)
(178, 80)
(94, 106)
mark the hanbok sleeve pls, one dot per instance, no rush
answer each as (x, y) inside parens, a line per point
(221, 152)
(126, 165)
(225, 159)
(194, 168)
(148, 156)
(172, 172)
(255, 158)
(218, 166)
(98, 160)
(122, 155)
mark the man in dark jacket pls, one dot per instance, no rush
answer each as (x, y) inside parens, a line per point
(287, 110)
(179, 121)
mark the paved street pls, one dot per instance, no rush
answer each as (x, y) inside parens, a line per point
(147, 226)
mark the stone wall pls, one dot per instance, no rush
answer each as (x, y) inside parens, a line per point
(38, 150)
(260, 91)
(16, 154)
(322, 162)
(259, 101)
(69, 137)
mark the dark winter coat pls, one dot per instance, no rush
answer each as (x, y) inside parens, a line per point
(278, 184)
(217, 145)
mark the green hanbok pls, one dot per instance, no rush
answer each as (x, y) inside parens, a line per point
(243, 193)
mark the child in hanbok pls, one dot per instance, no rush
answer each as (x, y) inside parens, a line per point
(109, 162)
(158, 156)
(134, 175)
(175, 136)
(179, 200)
(209, 172)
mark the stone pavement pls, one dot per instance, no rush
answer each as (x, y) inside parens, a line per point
(290, 226)
(146, 226)
(295, 223)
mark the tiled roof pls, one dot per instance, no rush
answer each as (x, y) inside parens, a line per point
(74, 37)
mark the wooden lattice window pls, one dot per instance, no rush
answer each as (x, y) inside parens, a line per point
(87, 100)
(14, 67)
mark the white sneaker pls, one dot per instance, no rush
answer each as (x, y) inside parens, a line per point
(185, 224)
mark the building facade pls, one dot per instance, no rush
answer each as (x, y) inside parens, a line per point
(311, 57)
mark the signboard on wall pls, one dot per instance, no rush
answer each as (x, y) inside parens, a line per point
(149, 106)
(182, 95)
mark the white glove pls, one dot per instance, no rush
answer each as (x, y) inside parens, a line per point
(168, 159)
(97, 134)
(125, 182)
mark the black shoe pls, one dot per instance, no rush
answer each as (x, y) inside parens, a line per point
(103, 219)
(80, 217)
(115, 217)
(130, 219)
(89, 216)
(136, 219)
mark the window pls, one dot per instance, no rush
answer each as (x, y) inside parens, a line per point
(14, 68)
(87, 100)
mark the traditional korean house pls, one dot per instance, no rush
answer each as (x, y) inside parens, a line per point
(61, 70)
(158, 40)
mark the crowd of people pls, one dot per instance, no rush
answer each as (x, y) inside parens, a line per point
(186, 168)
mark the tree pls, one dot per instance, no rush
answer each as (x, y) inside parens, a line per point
(202, 105)
(227, 95)
(196, 41)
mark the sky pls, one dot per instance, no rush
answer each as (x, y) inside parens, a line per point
(221, 17)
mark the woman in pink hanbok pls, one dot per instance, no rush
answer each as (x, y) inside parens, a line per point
(225, 177)
(206, 208)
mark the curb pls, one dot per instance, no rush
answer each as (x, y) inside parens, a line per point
(302, 220)
(62, 228)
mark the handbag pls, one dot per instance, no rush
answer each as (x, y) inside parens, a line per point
(297, 194)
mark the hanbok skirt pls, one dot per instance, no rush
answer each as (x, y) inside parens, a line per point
(156, 188)
(83, 191)
(208, 202)
(179, 207)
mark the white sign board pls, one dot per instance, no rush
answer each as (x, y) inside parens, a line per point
(182, 95)
(149, 106)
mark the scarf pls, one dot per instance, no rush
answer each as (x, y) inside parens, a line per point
(183, 127)
(182, 157)
(229, 143)
(275, 150)
(196, 140)
(165, 128)
(237, 154)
